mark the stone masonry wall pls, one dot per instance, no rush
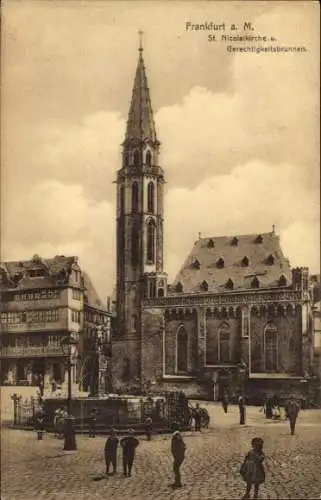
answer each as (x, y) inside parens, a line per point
(152, 344)
(289, 343)
(125, 366)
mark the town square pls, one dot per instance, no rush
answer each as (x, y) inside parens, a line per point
(41, 469)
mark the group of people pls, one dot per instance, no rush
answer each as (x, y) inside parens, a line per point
(129, 444)
(199, 418)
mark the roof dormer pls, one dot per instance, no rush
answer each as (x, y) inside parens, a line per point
(270, 260)
(234, 241)
(229, 284)
(282, 280)
(196, 264)
(255, 283)
(245, 261)
(179, 287)
(220, 263)
(204, 286)
(210, 243)
(259, 238)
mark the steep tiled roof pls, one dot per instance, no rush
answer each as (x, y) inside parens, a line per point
(234, 262)
(16, 273)
(91, 295)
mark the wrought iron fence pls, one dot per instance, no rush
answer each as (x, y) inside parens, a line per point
(165, 411)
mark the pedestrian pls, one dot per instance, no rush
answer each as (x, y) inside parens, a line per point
(292, 410)
(148, 428)
(197, 418)
(252, 469)
(178, 449)
(111, 446)
(241, 404)
(92, 422)
(225, 402)
(129, 444)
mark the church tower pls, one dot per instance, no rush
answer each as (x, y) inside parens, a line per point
(140, 183)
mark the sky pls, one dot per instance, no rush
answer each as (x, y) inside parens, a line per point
(239, 132)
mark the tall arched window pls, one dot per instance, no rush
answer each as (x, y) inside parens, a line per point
(136, 157)
(151, 242)
(224, 346)
(133, 297)
(182, 350)
(135, 245)
(150, 197)
(271, 348)
(122, 199)
(148, 158)
(135, 197)
(133, 323)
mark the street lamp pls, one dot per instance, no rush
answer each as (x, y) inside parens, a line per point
(68, 346)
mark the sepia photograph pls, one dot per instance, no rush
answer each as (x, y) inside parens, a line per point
(160, 289)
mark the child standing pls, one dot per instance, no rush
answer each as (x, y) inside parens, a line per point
(252, 470)
(111, 451)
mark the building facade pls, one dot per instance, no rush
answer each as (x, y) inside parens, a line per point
(42, 302)
(236, 318)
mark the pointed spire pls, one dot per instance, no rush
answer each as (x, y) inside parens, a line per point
(140, 123)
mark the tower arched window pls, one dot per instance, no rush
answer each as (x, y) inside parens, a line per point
(151, 242)
(148, 158)
(182, 350)
(150, 197)
(133, 323)
(179, 287)
(136, 157)
(135, 197)
(126, 159)
(224, 346)
(135, 245)
(271, 348)
(122, 199)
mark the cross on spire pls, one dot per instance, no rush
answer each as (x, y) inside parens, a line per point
(140, 34)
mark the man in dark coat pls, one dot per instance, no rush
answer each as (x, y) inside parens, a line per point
(198, 418)
(111, 451)
(178, 448)
(241, 404)
(292, 410)
(225, 402)
(129, 444)
(148, 428)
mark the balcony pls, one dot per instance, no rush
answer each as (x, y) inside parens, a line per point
(31, 351)
(33, 327)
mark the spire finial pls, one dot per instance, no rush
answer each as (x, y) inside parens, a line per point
(140, 33)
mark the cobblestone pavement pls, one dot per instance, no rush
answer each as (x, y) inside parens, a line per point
(41, 470)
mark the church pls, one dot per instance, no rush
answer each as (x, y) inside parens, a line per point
(237, 317)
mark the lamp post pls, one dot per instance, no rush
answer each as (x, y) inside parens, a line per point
(68, 346)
